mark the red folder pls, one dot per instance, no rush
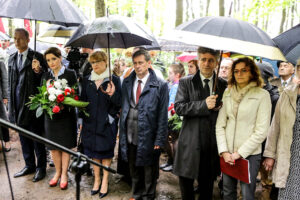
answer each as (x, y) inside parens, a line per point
(240, 170)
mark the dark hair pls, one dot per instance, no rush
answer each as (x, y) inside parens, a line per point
(256, 77)
(53, 50)
(203, 50)
(178, 68)
(194, 62)
(141, 52)
(24, 31)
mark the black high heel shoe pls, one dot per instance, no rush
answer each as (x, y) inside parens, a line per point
(102, 195)
(93, 192)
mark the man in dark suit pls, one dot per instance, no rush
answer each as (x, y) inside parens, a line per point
(197, 154)
(143, 125)
(25, 69)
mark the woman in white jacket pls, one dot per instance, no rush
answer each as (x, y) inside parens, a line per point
(242, 124)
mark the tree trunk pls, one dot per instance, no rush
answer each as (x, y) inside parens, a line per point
(187, 10)
(192, 10)
(287, 19)
(10, 27)
(282, 19)
(207, 7)
(267, 23)
(292, 14)
(257, 12)
(99, 8)
(221, 8)
(179, 12)
(201, 8)
(146, 11)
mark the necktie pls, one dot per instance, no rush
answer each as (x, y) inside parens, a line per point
(138, 91)
(284, 83)
(20, 63)
(206, 88)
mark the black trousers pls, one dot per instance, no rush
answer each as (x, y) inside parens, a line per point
(4, 134)
(144, 178)
(32, 149)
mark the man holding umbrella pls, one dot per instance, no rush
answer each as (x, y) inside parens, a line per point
(197, 153)
(25, 69)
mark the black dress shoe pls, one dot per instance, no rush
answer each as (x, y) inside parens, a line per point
(39, 175)
(24, 171)
(102, 195)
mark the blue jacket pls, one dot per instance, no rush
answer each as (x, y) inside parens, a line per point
(152, 118)
(99, 130)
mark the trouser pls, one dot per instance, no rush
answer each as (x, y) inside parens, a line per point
(32, 149)
(248, 190)
(144, 178)
(4, 134)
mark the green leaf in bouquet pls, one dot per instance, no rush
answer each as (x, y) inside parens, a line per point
(49, 111)
(75, 103)
(39, 112)
(34, 106)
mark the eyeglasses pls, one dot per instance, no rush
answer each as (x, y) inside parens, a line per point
(242, 71)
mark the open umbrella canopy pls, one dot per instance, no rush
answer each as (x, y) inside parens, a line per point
(62, 12)
(110, 32)
(289, 43)
(3, 36)
(226, 33)
(57, 34)
(186, 57)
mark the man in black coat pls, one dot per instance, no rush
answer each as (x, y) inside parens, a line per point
(25, 69)
(143, 125)
(197, 154)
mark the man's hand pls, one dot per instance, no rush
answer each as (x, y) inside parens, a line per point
(5, 101)
(36, 66)
(211, 101)
(156, 147)
(110, 90)
(268, 164)
(228, 158)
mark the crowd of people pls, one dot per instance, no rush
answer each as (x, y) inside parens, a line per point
(246, 113)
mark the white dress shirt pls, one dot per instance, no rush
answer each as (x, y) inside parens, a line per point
(287, 81)
(135, 84)
(210, 83)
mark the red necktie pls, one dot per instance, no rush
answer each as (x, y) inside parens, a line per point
(138, 92)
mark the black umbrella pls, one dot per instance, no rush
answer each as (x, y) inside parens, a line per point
(226, 33)
(62, 12)
(110, 32)
(173, 45)
(289, 43)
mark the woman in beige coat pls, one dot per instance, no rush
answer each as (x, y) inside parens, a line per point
(242, 124)
(283, 142)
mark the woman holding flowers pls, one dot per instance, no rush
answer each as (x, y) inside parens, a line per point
(99, 129)
(61, 126)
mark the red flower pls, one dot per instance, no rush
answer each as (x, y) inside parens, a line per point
(72, 91)
(67, 91)
(56, 109)
(60, 98)
(172, 112)
(76, 98)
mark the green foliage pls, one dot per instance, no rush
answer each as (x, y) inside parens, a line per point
(175, 122)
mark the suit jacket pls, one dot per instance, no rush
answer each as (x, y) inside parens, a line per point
(29, 81)
(152, 118)
(197, 140)
(277, 82)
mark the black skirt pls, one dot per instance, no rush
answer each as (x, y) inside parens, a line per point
(62, 128)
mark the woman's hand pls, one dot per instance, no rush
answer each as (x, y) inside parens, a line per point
(236, 156)
(268, 164)
(228, 158)
(110, 90)
(5, 101)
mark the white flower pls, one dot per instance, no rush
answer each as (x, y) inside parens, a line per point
(58, 92)
(52, 97)
(57, 85)
(64, 83)
(51, 91)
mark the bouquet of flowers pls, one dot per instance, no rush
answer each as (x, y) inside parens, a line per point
(53, 96)
(175, 121)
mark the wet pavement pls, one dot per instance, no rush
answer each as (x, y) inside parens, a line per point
(24, 188)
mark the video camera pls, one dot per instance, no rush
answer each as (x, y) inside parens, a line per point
(76, 59)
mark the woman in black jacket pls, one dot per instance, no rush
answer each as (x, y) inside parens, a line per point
(62, 128)
(99, 130)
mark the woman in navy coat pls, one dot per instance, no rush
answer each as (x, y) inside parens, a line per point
(99, 129)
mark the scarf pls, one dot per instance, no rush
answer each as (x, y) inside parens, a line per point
(98, 78)
(237, 94)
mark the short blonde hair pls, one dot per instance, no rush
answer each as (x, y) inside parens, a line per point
(98, 56)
